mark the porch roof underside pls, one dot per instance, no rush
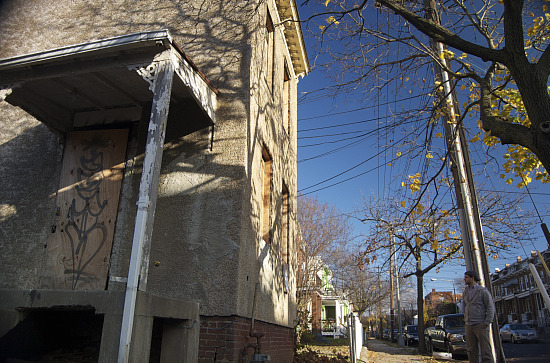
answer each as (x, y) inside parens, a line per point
(105, 81)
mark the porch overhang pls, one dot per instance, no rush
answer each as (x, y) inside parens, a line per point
(115, 81)
(105, 81)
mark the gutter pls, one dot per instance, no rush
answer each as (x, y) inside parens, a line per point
(128, 41)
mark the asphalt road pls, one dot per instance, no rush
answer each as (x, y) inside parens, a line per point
(527, 353)
(524, 353)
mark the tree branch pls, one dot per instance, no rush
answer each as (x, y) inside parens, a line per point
(441, 34)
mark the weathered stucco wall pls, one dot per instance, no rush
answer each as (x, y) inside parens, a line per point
(206, 242)
(30, 163)
(266, 130)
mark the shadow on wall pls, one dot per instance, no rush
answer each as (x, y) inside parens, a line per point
(30, 168)
(216, 35)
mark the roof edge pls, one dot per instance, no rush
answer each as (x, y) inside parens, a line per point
(133, 40)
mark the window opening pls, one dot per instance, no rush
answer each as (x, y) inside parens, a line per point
(286, 229)
(270, 46)
(285, 237)
(266, 195)
(286, 101)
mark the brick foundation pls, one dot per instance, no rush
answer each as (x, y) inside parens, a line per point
(223, 339)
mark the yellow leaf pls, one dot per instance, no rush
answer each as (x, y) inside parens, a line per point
(418, 239)
(331, 19)
(475, 138)
(429, 156)
(326, 2)
(438, 134)
(398, 153)
(403, 203)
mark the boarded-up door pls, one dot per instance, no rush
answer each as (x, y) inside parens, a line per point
(78, 250)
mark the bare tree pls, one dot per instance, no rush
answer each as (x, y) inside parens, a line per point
(361, 284)
(324, 230)
(428, 237)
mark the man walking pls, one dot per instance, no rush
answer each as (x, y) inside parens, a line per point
(479, 311)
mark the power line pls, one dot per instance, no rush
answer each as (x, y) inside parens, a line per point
(362, 108)
(342, 181)
(344, 172)
(385, 117)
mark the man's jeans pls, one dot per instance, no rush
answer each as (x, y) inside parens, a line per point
(477, 339)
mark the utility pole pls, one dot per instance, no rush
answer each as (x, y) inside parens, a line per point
(392, 317)
(380, 331)
(470, 222)
(400, 340)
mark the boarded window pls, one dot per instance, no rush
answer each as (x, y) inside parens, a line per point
(285, 237)
(266, 195)
(270, 52)
(286, 230)
(286, 101)
(79, 247)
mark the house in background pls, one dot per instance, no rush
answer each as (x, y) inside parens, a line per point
(434, 298)
(148, 160)
(517, 296)
(328, 307)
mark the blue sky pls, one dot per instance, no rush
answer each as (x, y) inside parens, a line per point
(322, 158)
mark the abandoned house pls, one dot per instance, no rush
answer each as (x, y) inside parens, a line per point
(148, 173)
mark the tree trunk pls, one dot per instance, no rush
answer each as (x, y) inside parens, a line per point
(420, 308)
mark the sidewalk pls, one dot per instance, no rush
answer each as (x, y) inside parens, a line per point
(379, 351)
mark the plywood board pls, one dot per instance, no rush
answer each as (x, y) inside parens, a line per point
(79, 247)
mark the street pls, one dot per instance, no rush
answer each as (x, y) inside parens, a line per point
(527, 353)
(524, 353)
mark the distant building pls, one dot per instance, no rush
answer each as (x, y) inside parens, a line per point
(436, 297)
(517, 297)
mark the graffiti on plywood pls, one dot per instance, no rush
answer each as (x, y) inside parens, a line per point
(79, 249)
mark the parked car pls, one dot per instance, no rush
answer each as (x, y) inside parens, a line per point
(395, 335)
(386, 334)
(517, 333)
(410, 335)
(447, 335)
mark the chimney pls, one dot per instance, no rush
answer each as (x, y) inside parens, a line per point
(497, 270)
(533, 253)
(518, 258)
(433, 290)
